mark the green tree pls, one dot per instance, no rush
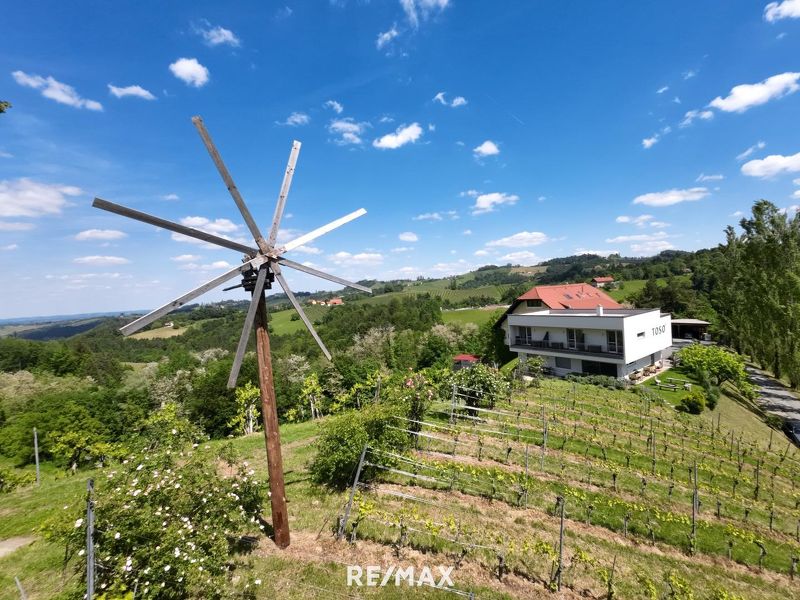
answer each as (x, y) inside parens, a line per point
(247, 413)
(4, 106)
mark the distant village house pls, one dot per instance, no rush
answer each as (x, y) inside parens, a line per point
(601, 282)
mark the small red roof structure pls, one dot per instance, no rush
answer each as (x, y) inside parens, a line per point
(465, 358)
(603, 279)
(335, 302)
(570, 295)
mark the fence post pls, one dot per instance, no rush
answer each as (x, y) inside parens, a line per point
(349, 507)
(90, 539)
(544, 437)
(695, 500)
(23, 596)
(526, 476)
(36, 452)
(560, 546)
(453, 405)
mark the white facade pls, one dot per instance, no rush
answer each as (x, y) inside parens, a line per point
(612, 342)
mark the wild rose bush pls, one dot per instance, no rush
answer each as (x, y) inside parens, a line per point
(169, 518)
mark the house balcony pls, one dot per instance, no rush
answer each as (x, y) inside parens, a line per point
(579, 349)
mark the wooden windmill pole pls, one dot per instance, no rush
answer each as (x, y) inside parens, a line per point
(269, 412)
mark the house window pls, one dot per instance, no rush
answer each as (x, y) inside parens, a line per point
(563, 363)
(524, 335)
(533, 303)
(575, 339)
(614, 341)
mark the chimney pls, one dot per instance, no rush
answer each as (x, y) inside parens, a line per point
(599, 310)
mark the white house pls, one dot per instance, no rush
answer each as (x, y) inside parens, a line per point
(603, 341)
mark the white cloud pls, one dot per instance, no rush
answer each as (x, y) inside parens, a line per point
(639, 237)
(307, 250)
(481, 253)
(216, 226)
(522, 256)
(434, 216)
(362, 258)
(603, 253)
(295, 120)
(485, 203)
(171, 197)
(790, 210)
(220, 227)
(27, 198)
(131, 90)
(403, 135)
(659, 224)
(796, 181)
(639, 221)
(101, 261)
(100, 234)
(386, 37)
(772, 165)
(703, 177)
(457, 101)
(9, 226)
(691, 115)
(421, 10)
(467, 232)
(487, 148)
(190, 72)
(757, 146)
(437, 216)
(650, 142)
(663, 89)
(182, 258)
(55, 90)
(746, 96)
(523, 239)
(653, 247)
(787, 9)
(348, 130)
(217, 36)
(408, 236)
(10, 247)
(737, 213)
(401, 249)
(676, 100)
(689, 74)
(4, 154)
(796, 194)
(334, 106)
(217, 265)
(673, 196)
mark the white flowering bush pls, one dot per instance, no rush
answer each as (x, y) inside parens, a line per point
(169, 518)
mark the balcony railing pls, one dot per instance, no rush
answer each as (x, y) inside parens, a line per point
(578, 347)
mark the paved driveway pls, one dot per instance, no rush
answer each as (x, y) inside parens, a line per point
(773, 396)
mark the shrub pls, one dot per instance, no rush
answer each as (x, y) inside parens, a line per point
(167, 520)
(11, 480)
(693, 403)
(343, 437)
(606, 381)
(484, 385)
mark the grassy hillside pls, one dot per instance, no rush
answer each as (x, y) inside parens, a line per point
(462, 498)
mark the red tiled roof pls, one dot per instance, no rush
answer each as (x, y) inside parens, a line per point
(571, 295)
(603, 279)
(466, 357)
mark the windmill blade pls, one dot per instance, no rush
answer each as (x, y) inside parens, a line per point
(279, 276)
(311, 271)
(258, 292)
(312, 235)
(226, 177)
(171, 226)
(178, 302)
(287, 182)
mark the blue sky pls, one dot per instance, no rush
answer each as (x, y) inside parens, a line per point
(472, 132)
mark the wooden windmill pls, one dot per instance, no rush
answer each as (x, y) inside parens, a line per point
(261, 265)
